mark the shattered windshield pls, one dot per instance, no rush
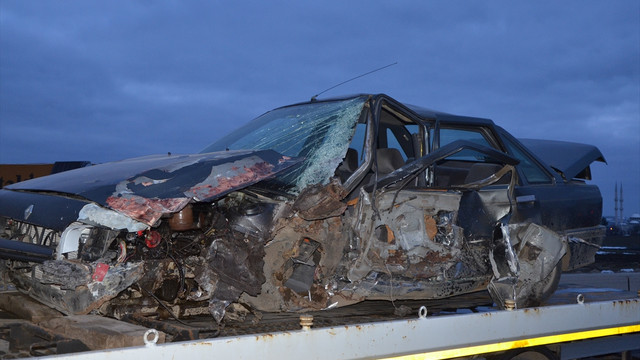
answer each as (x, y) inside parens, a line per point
(318, 132)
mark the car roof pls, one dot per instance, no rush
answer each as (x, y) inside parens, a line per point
(423, 113)
(429, 114)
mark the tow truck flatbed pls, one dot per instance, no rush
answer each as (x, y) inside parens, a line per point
(438, 337)
(590, 315)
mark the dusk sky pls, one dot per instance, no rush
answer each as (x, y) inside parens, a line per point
(107, 80)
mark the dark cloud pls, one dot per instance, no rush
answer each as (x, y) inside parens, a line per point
(102, 81)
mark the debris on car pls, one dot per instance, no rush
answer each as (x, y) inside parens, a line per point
(310, 206)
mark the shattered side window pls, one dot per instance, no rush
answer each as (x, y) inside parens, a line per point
(320, 132)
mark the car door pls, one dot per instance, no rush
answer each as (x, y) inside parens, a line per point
(569, 208)
(408, 241)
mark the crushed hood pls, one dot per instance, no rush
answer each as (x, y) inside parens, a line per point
(148, 187)
(569, 158)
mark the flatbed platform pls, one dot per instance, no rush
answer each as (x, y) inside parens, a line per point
(585, 306)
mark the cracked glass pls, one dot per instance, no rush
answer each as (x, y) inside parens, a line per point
(319, 132)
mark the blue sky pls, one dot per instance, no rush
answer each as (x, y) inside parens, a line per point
(107, 80)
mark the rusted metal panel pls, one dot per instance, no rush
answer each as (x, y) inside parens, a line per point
(100, 333)
(402, 337)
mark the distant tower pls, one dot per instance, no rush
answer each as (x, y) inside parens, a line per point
(615, 199)
(621, 205)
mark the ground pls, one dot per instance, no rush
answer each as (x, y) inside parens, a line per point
(618, 254)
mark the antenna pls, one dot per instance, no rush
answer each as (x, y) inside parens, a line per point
(313, 98)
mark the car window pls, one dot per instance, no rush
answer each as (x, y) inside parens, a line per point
(404, 140)
(392, 142)
(466, 166)
(318, 132)
(532, 172)
(448, 136)
(358, 141)
(397, 131)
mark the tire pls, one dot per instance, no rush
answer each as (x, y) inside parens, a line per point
(535, 353)
(542, 290)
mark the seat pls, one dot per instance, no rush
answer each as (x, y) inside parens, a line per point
(389, 159)
(348, 165)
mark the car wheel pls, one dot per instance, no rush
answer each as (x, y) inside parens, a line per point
(537, 353)
(542, 290)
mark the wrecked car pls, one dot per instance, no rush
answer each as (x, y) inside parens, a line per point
(310, 206)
